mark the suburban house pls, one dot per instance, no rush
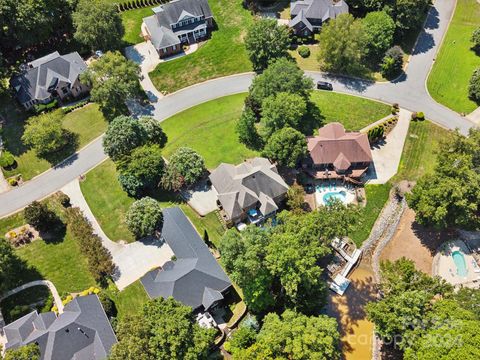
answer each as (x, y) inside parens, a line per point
(337, 154)
(194, 277)
(176, 23)
(252, 190)
(307, 16)
(81, 332)
(53, 76)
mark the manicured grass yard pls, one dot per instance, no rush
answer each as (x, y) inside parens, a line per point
(209, 129)
(109, 203)
(87, 123)
(130, 300)
(456, 61)
(223, 54)
(419, 154)
(377, 196)
(58, 260)
(352, 111)
(308, 63)
(132, 22)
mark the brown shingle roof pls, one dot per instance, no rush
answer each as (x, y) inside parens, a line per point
(333, 145)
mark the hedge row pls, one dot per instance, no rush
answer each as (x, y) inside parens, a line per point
(40, 108)
(378, 131)
(99, 258)
(78, 105)
(137, 4)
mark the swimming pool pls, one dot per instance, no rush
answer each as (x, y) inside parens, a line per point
(339, 195)
(460, 263)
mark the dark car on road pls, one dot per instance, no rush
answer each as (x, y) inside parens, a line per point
(323, 85)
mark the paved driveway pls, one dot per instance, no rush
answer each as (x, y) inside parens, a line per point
(131, 260)
(386, 157)
(202, 198)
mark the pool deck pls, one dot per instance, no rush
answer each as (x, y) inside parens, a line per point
(349, 197)
(445, 267)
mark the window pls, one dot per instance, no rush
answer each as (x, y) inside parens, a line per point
(174, 47)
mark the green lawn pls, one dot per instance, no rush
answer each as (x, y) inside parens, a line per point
(130, 300)
(132, 22)
(209, 127)
(419, 154)
(377, 196)
(109, 203)
(58, 260)
(455, 63)
(87, 123)
(223, 54)
(309, 63)
(352, 111)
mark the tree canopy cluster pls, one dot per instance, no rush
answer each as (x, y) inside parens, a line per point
(163, 330)
(450, 196)
(423, 316)
(290, 335)
(277, 267)
(113, 80)
(266, 41)
(356, 45)
(277, 113)
(185, 167)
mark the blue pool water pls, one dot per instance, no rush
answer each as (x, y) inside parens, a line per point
(460, 263)
(329, 196)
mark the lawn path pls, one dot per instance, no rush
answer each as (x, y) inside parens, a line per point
(132, 260)
(56, 298)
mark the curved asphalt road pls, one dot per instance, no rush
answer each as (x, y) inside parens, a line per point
(409, 91)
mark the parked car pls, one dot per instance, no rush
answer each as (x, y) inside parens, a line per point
(323, 85)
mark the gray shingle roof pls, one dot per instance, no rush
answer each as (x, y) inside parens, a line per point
(195, 278)
(46, 72)
(159, 25)
(242, 186)
(317, 10)
(81, 332)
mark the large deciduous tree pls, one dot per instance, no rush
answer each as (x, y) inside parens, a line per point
(294, 336)
(39, 216)
(266, 41)
(451, 195)
(282, 109)
(98, 25)
(113, 79)
(145, 217)
(409, 14)
(44, 133)
(286, 146)
(379, 29)
(247, 131)
(342, 45)
(185, 167)
(164, 330)
(122, 136)
(154, 133)
(281, 76)
(142, 170)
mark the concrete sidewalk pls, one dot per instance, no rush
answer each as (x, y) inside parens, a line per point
(386, 157)
(131, 260)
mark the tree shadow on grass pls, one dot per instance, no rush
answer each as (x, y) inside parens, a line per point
(313, 119)
(69, 149)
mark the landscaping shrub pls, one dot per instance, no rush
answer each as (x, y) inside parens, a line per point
(78, 105)
(64, 200)
(6, 159)
(304, 51)
(476, 39)
(392, 62)
(420, 116)
(108, 304)
(12, 182)
(99, 258)
(474, 86)
(40, 108)
(39, 216)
